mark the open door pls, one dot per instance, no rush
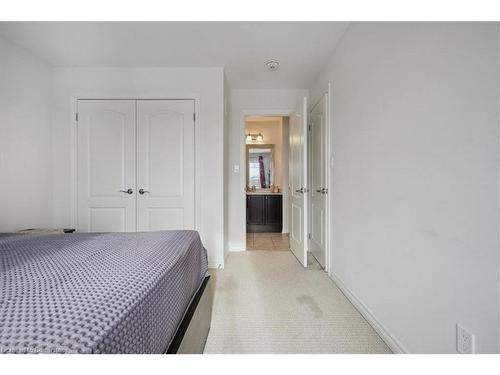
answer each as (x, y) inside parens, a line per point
(298, 179)
(317, 181)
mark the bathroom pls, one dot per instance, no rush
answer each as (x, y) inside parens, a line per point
(266, 156)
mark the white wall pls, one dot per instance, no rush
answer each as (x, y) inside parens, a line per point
(415, 181)
(203, 84)
(25, 168)
(256, 102)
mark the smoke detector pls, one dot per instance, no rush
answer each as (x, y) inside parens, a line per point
(272, 65)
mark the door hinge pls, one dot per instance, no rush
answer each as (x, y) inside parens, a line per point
(76, 116)
(309, 127)
(194, 116)
(309, 235)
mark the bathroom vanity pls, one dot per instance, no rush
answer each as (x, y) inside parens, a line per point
(264, 212)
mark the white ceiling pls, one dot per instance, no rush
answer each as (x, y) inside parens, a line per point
(242, 48)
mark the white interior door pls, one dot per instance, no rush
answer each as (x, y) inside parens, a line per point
(298, 179)
(106, 166)
(317, 184)
(165, 165)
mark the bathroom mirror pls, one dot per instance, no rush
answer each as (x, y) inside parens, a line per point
(260, 166)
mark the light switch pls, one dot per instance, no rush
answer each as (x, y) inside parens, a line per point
(236, 168)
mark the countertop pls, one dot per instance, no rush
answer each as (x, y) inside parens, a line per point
(262, 192)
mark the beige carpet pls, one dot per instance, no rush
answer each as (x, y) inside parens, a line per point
(265, 302)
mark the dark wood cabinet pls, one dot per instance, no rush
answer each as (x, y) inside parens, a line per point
(274, 210)
(264, 213)
(256, 207)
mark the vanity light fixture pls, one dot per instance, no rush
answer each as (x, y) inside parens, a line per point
(254, 137)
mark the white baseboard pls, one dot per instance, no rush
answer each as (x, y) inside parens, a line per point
(237, 249)
(215, 264)
(388, 338)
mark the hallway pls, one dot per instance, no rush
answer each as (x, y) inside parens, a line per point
(265, 302)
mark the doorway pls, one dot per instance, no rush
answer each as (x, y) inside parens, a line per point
(299, 210)
(266, 183)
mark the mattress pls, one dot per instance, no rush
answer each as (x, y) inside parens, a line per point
(97, 293)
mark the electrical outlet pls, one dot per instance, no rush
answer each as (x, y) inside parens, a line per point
(465, 341)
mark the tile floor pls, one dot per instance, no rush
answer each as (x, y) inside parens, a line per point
(268, 241)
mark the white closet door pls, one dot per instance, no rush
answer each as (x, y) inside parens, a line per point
(165, 165)
(106, 166)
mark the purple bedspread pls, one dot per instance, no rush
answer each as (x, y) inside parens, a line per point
(97, 293)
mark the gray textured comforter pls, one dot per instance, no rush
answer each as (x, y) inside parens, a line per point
(97, 293)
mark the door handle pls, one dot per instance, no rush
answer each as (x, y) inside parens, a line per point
(324, 191)
(128, 191)
(301, 190)
(142, 191)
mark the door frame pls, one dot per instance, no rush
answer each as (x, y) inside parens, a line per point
(329, 175)
(119, 96)
(244, 113)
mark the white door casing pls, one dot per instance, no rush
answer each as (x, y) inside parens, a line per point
(298, 178)
(165, 165)
(106, 166)
(318, 181)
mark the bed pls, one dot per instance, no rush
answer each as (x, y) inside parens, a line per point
(104, 293)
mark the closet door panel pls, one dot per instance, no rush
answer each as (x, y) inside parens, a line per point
(165, 164)
(164, 155)
(106, 165)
